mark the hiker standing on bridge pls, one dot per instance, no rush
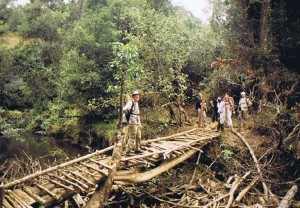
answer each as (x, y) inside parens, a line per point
(134, 124)
(225, 112)
(244, 105)
(221, 113)
(200, 104)
(229, 108)
(215, 105)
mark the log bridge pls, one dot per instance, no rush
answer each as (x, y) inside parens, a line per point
(53, 185)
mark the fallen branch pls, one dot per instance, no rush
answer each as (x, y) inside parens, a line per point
(234, 187)
(290, 136)
(169, 202)
(245, 190)
(194, 174)
(287, 199)
(216, 200)
(266, 189)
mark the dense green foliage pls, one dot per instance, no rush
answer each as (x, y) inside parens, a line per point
(65, 60)
(61, 63)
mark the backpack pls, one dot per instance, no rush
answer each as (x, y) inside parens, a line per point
(248, 102)
(128, 112)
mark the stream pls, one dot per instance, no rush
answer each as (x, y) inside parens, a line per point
(46, 149)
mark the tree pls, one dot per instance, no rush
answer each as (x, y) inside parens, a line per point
(125, 63)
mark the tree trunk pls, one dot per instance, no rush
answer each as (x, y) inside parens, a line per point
(119, 125)
(103, 190)
(145, 176)
(263, 29)
(101, 193)
(179, 115)
(2, 191)
(287, 199)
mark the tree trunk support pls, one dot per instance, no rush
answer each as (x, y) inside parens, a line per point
(145, 176)
(287, 199)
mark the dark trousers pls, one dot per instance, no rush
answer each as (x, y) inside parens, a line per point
(215, 115)
(220, 126)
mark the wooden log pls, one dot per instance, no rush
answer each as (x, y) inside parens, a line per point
(101, 193)
(24, 196)
(6, 204)
(14, 203)
(24, 204)
(33, 195)
(78, 200)
(287, 199)
(145, 176)
(104, 187)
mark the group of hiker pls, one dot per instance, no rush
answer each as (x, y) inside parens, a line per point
(222, 110)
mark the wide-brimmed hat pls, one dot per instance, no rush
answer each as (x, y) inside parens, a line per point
(135, 93)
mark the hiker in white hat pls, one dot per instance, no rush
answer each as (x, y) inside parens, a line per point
(244, 105)
(134, 123)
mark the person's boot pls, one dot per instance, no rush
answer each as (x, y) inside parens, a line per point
(222, 127)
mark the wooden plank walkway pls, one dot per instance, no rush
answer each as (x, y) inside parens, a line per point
(55, 184)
